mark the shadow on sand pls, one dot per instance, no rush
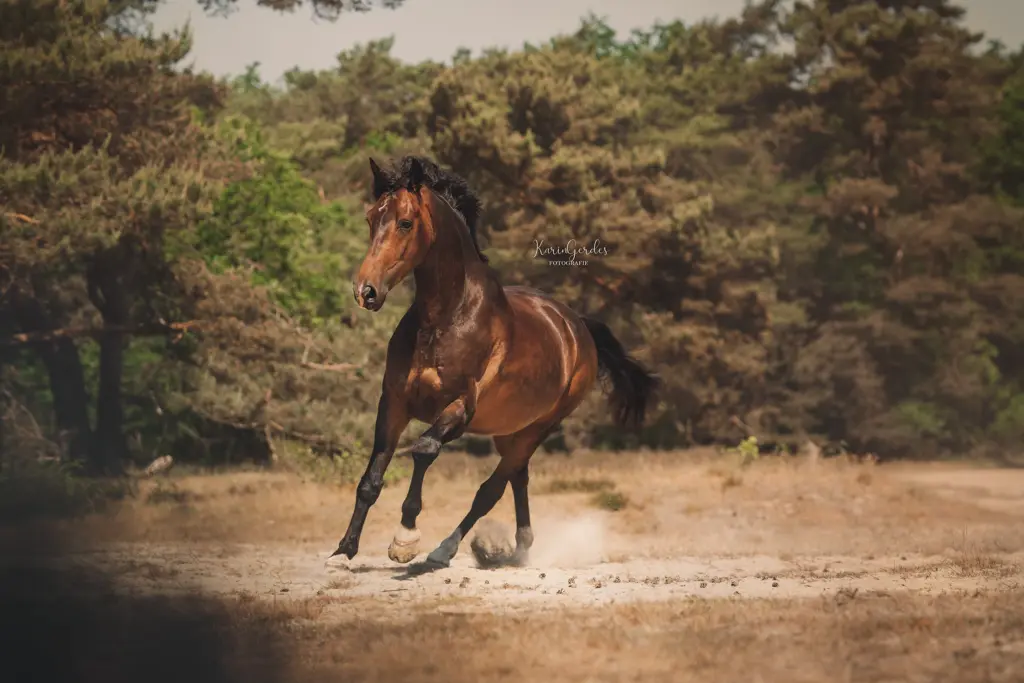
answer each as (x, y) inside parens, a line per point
(58, 625)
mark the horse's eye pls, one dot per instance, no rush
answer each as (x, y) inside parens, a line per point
(404, 224)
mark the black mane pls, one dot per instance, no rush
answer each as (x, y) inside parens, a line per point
(451, 187)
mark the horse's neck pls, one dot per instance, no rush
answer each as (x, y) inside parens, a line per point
(442, 279)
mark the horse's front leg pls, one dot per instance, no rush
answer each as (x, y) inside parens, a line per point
(392, 419)
(449, 426)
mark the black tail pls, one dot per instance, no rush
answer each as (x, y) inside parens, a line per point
(632, 385)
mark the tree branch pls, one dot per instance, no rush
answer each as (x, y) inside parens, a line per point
(331, 367)
(22, 217)
(150, 330)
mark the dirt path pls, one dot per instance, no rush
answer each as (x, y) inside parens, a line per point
(289, 573)
(585, 557)
(661, 568)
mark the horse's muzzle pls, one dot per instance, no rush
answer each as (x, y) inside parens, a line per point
(369, 297)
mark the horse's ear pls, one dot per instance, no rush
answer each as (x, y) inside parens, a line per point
(380, 183)
(416, 174)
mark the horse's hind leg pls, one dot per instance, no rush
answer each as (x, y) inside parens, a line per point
(515, 450)
(520, 447)
(524, 533)
(489, 493)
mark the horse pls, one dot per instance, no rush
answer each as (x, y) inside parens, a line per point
(471, 356)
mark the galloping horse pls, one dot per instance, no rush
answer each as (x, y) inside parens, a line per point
(470, 356)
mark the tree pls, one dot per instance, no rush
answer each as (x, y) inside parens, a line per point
(1003, 162)
(562, 155)
(273, 219)
(892, 109)
(326, 9)
(821, 241)
(99, 165)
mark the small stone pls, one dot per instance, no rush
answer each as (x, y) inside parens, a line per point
(775, 584)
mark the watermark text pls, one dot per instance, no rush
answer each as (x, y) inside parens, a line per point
(571, 254)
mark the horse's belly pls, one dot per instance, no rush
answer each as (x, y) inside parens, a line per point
(512, 403)
(497, 418)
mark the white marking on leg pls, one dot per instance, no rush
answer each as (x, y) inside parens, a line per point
(406, 536)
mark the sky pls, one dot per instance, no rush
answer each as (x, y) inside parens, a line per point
(435, 29)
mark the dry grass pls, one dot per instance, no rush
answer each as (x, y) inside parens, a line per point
(853, 637)
(578, 486)
(969, 560)
(667, 504)
(339, 583)
(312, 627)
(612, 501)
(248, 607)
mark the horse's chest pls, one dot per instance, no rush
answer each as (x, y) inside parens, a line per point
(426, 392)
(427, 370)
(441, 367)
(424, 382)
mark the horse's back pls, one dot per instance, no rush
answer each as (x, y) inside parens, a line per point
(519, 296)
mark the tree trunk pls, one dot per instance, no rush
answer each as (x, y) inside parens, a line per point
(109, 446)
(66, 375)
(3, 410)
(70, 398)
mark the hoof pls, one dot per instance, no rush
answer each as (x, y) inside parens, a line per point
(444, 553)
(440, 557)
(490, 544)
(405, 545)
(347, 547)
(524, 540)
(520, 557)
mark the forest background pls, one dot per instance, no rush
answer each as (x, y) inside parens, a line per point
(813, 213)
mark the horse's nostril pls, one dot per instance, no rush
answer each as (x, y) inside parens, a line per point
(369, 293)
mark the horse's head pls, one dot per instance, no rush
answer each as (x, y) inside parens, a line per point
(401, 234)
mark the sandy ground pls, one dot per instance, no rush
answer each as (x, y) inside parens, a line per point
(686, 564)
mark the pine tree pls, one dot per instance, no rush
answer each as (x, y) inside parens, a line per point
(101, 162)
(885, 129)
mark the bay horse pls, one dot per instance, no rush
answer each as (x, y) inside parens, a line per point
(470, 356)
